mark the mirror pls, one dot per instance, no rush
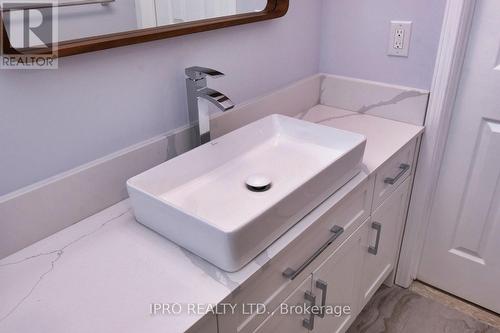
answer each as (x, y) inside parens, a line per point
(122, 22)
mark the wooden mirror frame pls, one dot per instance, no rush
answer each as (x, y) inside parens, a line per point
(274, 9)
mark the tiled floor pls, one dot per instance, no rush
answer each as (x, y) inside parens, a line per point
(397, 310)
(453, 302)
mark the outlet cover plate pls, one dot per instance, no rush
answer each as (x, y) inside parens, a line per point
(399, 38)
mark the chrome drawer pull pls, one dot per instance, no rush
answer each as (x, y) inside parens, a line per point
(291, 273)
(323, 286)
(391, 181)
(309, 322)
(374, 249)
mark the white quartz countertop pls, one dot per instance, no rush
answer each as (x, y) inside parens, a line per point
(103, 273)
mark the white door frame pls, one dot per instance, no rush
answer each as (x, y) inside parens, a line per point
(450, 58)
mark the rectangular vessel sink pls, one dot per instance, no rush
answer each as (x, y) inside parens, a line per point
(201, 201)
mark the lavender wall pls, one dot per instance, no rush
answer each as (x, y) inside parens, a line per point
(355, 37)
(98, 103)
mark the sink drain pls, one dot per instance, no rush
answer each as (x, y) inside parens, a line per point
(258, 183)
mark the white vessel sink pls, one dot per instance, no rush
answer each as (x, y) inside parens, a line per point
(200, 199)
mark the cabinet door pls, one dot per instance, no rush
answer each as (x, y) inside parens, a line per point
(383, 241)
(335, 284)
(280, 321)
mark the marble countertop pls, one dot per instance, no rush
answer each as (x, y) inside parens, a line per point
(103, 273)
(384, 137)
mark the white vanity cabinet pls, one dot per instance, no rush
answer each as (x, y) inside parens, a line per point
(334, 284)
(384, 238)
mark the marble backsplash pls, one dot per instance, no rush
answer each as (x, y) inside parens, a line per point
(47, 207)
(404, 104)
(393, 102)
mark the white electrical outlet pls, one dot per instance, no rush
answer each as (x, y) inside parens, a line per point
(399, 39)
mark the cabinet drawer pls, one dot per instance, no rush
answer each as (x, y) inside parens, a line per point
(270, 287)
(393, 173)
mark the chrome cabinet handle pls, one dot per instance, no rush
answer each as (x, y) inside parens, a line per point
(27, 6)
(291, 273)
(374, 249)
(323, 286)
(403, 167)
(309, 322)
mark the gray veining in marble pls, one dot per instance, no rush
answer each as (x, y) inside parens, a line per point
(397, 310)
(398, 103)
(395, 100)
(321, 121)
(57, 253)
(304, 116)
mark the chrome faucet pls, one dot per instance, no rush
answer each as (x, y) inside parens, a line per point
(196, 84)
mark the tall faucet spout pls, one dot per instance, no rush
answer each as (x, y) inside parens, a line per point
(216, 98)
(197, 93)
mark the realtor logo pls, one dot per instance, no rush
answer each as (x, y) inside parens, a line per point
(29, 35)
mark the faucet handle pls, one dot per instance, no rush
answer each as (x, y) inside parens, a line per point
(198, 73)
